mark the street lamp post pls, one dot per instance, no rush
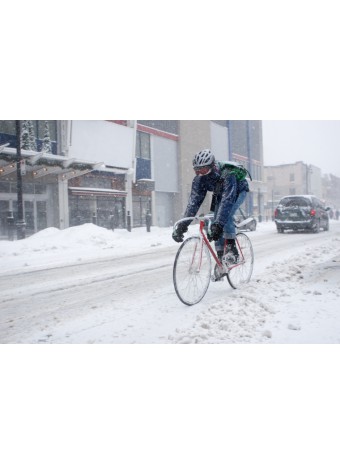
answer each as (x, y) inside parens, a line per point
(21, 225)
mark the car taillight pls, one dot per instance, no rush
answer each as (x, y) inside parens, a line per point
(312, 213)
(275, 212)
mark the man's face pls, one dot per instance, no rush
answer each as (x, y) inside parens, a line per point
(202, 171)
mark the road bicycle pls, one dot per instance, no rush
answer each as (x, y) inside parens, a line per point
(192, 267)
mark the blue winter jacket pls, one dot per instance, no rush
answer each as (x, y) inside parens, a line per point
(226, 189)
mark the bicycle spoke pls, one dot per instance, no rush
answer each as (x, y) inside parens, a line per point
(241, 272)
(192, 270)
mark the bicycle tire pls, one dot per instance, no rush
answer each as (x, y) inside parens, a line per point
(240, 273)
(192, 271)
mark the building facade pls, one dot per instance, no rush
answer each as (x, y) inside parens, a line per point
(331, 191)
(229, 140)
(84, 177)
(116, 172)
(103, 195)
(156, 171)
(246, 146)
(290, 179)
(40, 208)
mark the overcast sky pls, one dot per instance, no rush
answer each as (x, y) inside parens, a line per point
(313, 142)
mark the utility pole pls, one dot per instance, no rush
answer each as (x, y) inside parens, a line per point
(21, 225)
(250, 167)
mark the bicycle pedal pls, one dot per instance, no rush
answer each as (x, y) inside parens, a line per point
(217, 275)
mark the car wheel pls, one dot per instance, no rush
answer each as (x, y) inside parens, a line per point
(280, 230)
(316, 229)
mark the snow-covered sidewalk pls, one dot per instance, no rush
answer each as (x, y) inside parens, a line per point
(53, 247)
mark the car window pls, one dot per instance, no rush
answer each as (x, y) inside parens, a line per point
(295, 202)
(319, 204)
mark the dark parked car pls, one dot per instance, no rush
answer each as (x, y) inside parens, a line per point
(301, 212)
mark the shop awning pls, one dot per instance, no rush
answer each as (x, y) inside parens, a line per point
(39, 164)
(96, 192)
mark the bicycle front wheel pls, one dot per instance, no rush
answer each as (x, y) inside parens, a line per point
(241, 272)
(192, 271)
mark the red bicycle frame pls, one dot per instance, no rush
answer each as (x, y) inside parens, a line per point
(217, 260)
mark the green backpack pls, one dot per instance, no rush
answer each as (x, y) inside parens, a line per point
(228, 167)
(236, 168)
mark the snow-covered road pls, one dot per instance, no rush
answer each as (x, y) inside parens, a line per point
(110, 296)
(126, 295)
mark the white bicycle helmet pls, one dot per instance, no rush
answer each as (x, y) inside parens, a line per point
(203, 158)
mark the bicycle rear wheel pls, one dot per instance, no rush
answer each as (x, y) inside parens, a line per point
(241, 272)
(192, 270)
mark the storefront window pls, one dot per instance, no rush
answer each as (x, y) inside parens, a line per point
(52, 126)
(109, 211)
(4, 186)
(80, 211)
(143, 145)
(141, 206)
(4, 208)
(29, 216)
(39, 188)
(41, 215)
(28, 188)
(7, 127)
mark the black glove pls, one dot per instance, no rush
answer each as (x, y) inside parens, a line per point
(177, 235)
(216, 231)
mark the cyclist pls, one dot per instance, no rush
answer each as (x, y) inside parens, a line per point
(227, 181)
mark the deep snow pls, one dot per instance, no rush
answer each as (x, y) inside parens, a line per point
(293, 296)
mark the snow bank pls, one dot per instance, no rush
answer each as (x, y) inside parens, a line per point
(52, 247)
(293, 301)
